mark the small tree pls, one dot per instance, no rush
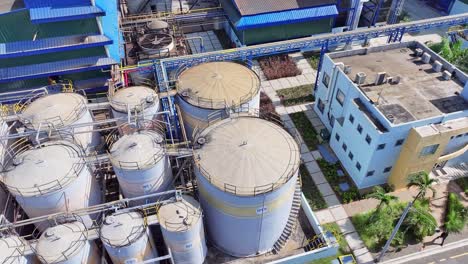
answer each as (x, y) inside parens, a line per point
(423, 182)
(383, 198)
(456, 216)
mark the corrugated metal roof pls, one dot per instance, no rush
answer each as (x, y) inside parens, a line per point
(253, 7)
(49, 14)
(286, 17)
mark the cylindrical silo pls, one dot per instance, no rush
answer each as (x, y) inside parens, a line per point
(207, 90)
(51, 178)
(141, 163)
(126, 238)
(139, 100)
(60, 110)
(182, 228)
(12, 250)
(66, 244)
(246, 170)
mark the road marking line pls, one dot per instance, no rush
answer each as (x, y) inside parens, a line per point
(431, 262)
(442, 260)
(457, 256)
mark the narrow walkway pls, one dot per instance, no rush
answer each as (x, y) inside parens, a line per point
(335, 211)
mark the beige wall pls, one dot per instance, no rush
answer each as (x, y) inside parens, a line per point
(411, 161)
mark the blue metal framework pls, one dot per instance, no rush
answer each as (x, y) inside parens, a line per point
(396, 11)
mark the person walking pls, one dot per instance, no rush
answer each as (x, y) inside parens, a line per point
(444, 236)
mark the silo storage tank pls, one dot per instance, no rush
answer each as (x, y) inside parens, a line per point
(50, 178)
(141, 163)
(246, 170)
(66, 244)
(205, 91)
(126, 238)
(182, 228)
(140, 100)
(60, 110)
(12, 250)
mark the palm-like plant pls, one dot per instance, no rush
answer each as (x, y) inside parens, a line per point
(423, 182)
(380, 195)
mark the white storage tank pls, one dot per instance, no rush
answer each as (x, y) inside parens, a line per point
(141, 163)
(51, 178)
(127, 238)
(205, 91)
(12, 250)
(246, 170)
(140, 100)
(66, 244)
(182, 228)
(58, 111)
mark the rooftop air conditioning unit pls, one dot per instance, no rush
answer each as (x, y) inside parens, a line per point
(447, 75)
(360, 78)
(347, 69)
(418, 52)
(426, 58)
(396, 79)
(380, 78)
(437, 66)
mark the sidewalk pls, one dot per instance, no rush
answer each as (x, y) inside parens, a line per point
(335, 212)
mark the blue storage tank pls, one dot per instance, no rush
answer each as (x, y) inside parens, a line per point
(246, 169)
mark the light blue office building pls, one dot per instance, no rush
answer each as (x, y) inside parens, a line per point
(372, 99)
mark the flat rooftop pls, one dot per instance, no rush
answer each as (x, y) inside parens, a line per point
(421, 93)
(10, 5)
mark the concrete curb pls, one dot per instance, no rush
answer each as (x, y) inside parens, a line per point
(422, 254)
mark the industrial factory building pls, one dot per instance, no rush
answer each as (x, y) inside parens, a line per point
(404, 103)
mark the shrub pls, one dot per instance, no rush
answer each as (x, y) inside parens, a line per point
(310, 190)
(463, 183)
(455, 217)
(305, 128)
(296, 95)
(280, 66)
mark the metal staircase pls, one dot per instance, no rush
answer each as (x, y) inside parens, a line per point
(315, 243)
(451, 172)
(293, 215)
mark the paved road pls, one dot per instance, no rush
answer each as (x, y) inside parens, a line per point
(455, 256)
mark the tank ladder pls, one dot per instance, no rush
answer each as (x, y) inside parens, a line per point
(292, 220)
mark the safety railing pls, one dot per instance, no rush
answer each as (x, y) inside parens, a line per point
(181, 226)
(138, 107)
(136, 232)
(15, 155)
(292, 168)
(75, 246)
(141, 126)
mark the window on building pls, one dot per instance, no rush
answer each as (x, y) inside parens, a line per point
(351, 155)
(326, 79)
(368, 139)
(344, 147)
(340, 96)
(459, 136)
(387, 169)
(359, 129)
(358, 166)
(399, 142)
(370, 173)
(380, 146)
(429, 150)
(351, 119)
(337, 137)
(321, 105)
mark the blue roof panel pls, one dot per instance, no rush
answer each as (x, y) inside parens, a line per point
(54, 68)
(286, 17)
(52, 14)
(47, 45)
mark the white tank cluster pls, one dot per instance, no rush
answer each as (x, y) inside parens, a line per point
(12, 250)
(141, 163)
(182, 228)
(66, 244)
(208, 90)
(50, 178)
(127, 238)
(246, 169)
(139, 100)
(58, 111)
